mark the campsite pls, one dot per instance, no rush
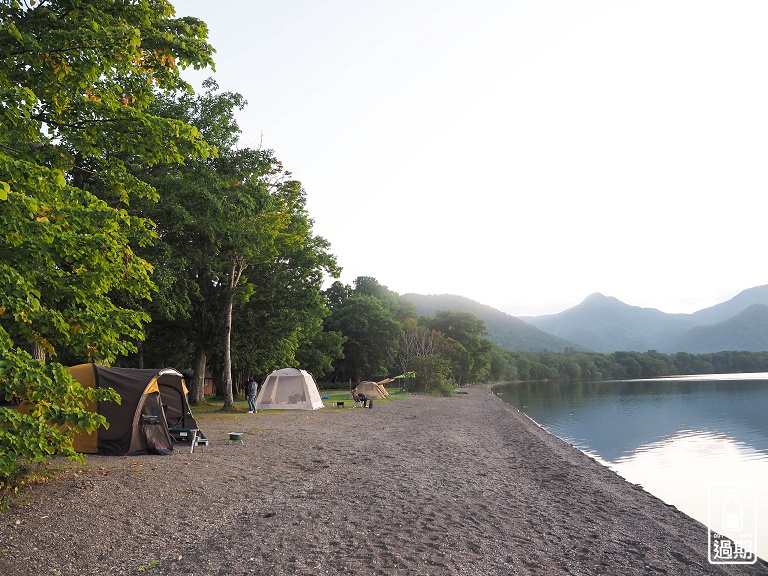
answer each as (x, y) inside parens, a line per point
(154, 414)
(155, 250)
(418, 485)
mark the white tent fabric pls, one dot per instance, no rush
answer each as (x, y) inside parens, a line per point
(289, 389)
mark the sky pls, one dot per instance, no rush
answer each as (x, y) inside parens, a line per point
(523, 154)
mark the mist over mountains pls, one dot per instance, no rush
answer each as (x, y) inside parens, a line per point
(605, 324)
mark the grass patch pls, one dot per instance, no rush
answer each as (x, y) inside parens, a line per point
(214, 404)
(344, 395)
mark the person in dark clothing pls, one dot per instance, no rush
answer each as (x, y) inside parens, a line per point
(358, 396)
(250, 390)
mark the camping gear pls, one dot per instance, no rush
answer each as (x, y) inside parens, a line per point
(236, 437)
(154, 411)
(191, 435)
(289, 389)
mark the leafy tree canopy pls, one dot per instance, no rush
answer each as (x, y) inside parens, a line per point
(76, 79)
(373, 337)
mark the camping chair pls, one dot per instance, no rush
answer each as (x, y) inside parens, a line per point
(358, 398)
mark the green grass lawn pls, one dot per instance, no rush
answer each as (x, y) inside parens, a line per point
(215, 404)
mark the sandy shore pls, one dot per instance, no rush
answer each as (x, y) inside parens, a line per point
(461, 485)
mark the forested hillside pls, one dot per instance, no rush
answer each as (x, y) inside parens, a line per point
(507, 331)
(747, 331)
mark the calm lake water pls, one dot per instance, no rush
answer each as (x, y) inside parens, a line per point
(699, 443)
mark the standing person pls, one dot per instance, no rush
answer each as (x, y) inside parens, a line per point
(250, 389)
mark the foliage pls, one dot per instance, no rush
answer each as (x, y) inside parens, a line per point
(76, 79)
(401, 308)
(443, 352)
(451, 348)
(149, 565)
(469, 350)
(576, 365)
(336, 293)
(281, 322)
(243, 268)
(507, 331)
(54, 404)
(318, 351)
(372, 337)
(432, 374)
(457, 324)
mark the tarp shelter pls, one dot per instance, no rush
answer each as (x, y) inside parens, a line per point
(289, 389)
(153, 401)
(372, 389)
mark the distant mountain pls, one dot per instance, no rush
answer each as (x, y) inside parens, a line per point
(734, 306)
(747, 331)
(507, 331)
(605, 324)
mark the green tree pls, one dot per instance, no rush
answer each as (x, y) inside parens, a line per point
(76, 79)
(281, 322)
(433, 374)
(373, 337)
(460, 359)
(192, 220)
(368, 286)
(469, 331)
(318, 352)
(457, 324)
(502, 365)
(247, 267)
(337, 293)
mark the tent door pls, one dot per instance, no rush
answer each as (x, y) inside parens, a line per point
(154, 431)
(150, 429)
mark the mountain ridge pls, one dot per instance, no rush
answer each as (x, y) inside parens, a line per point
(504, 329)
(606, 324)
(746, 331)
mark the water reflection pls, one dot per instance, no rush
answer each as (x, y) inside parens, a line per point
(672, 436)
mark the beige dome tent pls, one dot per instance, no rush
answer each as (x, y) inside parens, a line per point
(289, 389)
(373, 389)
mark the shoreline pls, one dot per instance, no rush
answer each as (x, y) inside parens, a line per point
(420, 485)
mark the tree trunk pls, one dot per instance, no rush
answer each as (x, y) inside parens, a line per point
(229, 400)
(197, 394)
(38, 352)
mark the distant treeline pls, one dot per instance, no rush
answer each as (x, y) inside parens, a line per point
(382, 334)
(574, 365)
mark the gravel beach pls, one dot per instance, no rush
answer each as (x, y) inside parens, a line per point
(421, 485)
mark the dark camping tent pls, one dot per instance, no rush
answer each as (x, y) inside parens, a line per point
(154, 403)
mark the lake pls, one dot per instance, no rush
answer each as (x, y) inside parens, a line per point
(699, 443)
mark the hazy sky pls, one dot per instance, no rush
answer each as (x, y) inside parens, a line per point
(523, 154)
